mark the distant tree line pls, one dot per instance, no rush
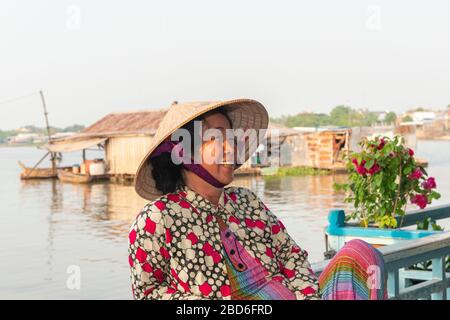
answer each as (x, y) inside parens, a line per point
(339, 116)
(33, 129)
(5, 134)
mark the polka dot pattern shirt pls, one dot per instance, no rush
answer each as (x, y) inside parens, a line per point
(176, 251)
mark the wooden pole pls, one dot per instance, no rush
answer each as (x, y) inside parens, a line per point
(35, 166)
(48, 129)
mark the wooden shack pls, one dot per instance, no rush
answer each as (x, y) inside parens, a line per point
(327, 149)
(124, 136)
(129, 137)
(322, 149)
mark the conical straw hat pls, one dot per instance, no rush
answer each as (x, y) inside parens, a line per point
(243, 113)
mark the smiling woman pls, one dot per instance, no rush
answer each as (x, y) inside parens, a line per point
(198, 239)
(168, 175)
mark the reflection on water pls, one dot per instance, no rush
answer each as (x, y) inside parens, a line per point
(48, 226)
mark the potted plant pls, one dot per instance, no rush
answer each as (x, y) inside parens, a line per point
(383, 178)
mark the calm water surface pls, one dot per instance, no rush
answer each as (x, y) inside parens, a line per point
(49, 229)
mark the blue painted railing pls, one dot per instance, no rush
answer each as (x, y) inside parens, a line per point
(338, 232)
(433, 284)
(401, 249)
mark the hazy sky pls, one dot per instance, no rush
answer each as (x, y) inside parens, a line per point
(95, 57)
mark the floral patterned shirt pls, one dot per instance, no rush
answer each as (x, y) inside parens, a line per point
(176, 252)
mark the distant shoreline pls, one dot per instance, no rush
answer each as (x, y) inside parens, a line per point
(443, 138)
(5, 145)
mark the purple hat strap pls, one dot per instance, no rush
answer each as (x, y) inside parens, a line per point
(201, 172)
(197, 169)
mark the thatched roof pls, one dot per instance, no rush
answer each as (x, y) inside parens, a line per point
(134, 122)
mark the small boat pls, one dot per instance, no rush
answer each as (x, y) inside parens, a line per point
(69, 176)
(36, 173)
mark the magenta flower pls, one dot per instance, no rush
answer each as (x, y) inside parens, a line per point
(429, 184)
(374, 169)
(420, 199)
(415, 175)
(382, 143)
(361, 170)
(411, 152)
(360, 167)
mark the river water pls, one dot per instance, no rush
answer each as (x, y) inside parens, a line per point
(51, 232)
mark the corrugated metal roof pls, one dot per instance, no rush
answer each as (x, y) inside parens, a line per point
(127, 123)
(143, 122)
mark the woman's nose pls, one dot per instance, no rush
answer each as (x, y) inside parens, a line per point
(228, 150)
(228, 146)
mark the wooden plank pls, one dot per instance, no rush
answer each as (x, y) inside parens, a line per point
(124, 154)
(410, 260)
(418, 274)
(393, 283)
(438, 272)
(416, 247)
(422, 290)
(435, 213)
(413, 216)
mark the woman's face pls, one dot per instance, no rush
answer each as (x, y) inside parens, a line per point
(218, 154)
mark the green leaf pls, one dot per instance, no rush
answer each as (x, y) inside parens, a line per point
(369, 164)
(393, 222)
(434, 195)
(378, 179)
(407, 170)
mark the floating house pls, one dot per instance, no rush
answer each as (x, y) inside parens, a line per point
(324, 149)
(430, 125)
(125, 138)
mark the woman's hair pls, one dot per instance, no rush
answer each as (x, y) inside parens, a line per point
(166, 174)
